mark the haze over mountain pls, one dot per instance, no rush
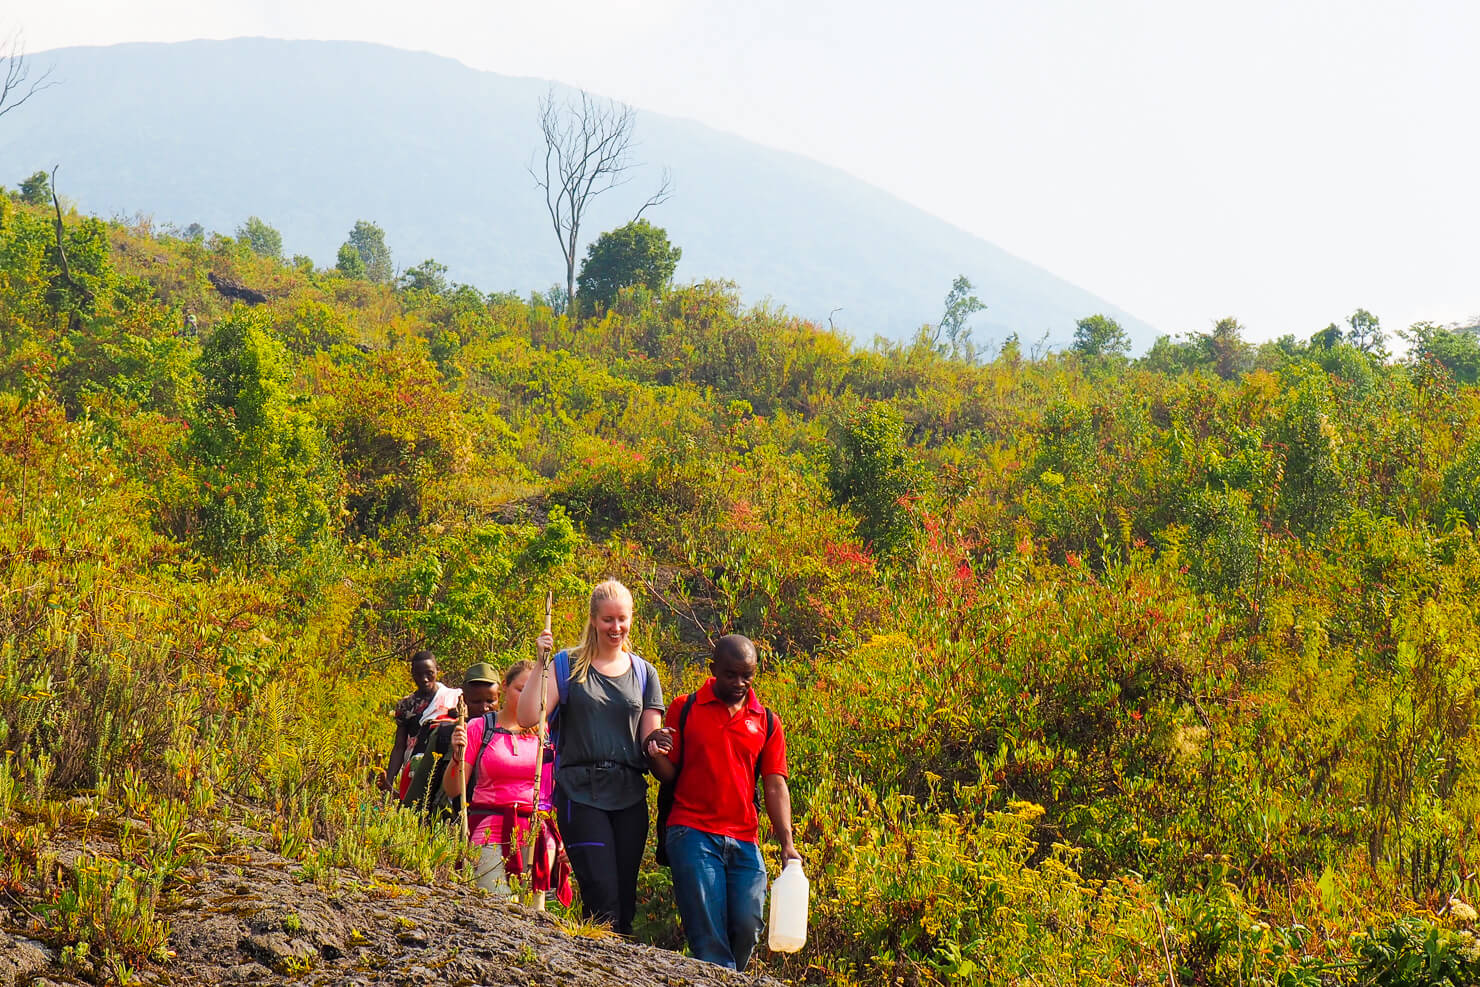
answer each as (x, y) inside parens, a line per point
(312, 136)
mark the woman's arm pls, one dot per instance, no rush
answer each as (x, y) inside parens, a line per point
(778, 808)
(656, 745)
(650, 720)
(543, 675)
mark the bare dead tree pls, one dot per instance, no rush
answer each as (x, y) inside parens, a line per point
(16, 84)
(61, 249)
(588, 151)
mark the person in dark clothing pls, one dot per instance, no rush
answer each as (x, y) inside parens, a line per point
(409, 711)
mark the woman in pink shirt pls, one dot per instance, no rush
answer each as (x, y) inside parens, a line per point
(500, 757)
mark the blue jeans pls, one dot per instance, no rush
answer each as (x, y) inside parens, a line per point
(720, 885)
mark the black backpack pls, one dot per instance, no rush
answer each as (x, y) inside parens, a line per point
(667, 788)
(425, 792)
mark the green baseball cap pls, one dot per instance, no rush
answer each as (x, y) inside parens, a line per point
(481, 672)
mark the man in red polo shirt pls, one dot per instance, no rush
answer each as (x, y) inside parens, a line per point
(716, 743)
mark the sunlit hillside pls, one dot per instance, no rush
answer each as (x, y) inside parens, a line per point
(1094, 670)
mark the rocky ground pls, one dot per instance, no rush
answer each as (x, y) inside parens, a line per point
(246, 919)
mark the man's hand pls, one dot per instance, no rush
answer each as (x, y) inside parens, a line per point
(659, 742)
(789, 852)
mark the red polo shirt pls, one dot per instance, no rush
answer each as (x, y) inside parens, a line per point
(716, 788)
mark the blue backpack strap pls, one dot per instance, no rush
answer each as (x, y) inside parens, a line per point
(562, 678)
(562, 689)
(642, 667)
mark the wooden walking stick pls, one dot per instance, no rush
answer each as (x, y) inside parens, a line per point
(539, 762)
(462, 769)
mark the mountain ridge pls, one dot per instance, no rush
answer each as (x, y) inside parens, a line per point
(435, 152)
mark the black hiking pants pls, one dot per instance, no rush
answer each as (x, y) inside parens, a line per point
(605, 849)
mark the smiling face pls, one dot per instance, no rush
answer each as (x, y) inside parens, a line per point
(734, 670)
(613, 621)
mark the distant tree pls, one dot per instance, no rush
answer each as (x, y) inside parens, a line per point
(1100, 336)
(636, 254)
(555, 299)
(260, 238)
(16, 84)
(1365, 333)
(36, 190)
(1276, 353)
(428, 277)
(349, 263)
(1457, 349)
(588, 151)
(960, 306)
(268, 484)
(1172, 356)
(1011, 352)
(1225, 348)
(1327, 337)
(367, 241)
(195, 233)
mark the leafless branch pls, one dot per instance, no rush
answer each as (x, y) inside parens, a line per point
(665, 190)
(1040, 348)
(686, 613)
(16, 84)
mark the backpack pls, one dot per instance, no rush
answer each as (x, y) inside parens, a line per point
(426, 792)
(666, 789)
(562, 686)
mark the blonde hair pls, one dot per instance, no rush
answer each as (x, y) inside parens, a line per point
(581, 654)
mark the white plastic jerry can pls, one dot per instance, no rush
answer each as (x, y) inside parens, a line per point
(788, 924)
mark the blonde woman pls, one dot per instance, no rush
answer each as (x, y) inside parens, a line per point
(601, 699)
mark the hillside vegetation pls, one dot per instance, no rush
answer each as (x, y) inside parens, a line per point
(1094, 671)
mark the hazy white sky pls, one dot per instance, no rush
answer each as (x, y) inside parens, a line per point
(1282, 161)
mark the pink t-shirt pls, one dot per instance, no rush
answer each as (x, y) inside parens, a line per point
(505, 779)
